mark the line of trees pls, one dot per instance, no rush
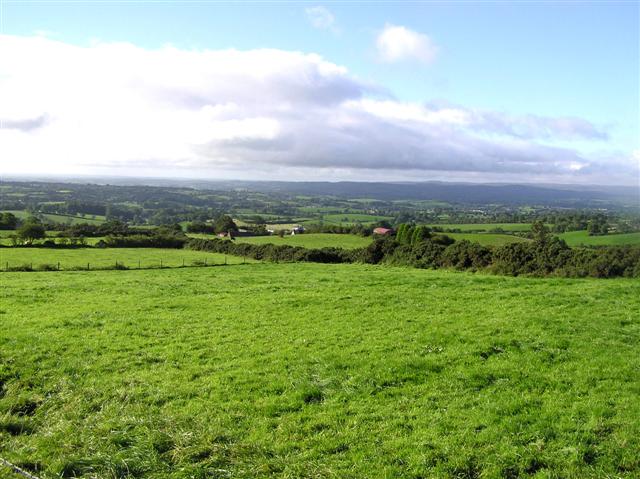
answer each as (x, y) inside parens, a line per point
(546, 255)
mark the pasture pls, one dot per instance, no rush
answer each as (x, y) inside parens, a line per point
(310, 240)
(483, 226)
(309, 371)
(487, 239)
(106, 258)
(348, 219)
(60, 219)
(582, 238)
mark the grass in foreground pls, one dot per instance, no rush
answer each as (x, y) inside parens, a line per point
(303, 370)
(104, 258)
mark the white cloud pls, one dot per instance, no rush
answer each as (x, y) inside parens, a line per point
(118, 108)
(321, 18)
(397, 43)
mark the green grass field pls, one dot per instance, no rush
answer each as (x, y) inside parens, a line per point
(579, 238)
(61, 219)
(347, 219)
(484, 226)
(314, 371)
(310, 240)
(487, 239)
(107, 257)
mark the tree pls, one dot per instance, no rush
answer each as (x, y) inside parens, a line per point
(539, 232)
(224, 224)
(30, 231)
(420, 233)
(8, 221)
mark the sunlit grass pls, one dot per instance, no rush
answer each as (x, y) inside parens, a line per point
(307, 370)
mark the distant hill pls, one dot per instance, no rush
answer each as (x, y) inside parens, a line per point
(570, 196)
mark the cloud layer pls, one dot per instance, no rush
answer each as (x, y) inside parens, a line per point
(116, 106)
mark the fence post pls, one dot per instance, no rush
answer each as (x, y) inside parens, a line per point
(183, 262)
(138, 263)
(87, 266)
(160, 264)
(7, 266)
(58, 265)
(205, 261)
(225, 259)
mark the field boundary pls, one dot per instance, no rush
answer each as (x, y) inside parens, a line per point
(17, 469)
(117, 266)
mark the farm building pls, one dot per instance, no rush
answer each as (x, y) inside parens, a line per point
(383, 231)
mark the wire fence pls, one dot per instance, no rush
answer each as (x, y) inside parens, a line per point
(16, 469)
(104, 265)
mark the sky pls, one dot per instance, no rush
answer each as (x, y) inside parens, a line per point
(497, 91)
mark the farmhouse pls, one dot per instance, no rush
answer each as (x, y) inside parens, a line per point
(383, 231)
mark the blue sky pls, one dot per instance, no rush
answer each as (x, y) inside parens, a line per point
(503, 61)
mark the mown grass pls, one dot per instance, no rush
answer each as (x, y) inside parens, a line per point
(310, 240)
(582, 238)
(307, 370)
(107, 257)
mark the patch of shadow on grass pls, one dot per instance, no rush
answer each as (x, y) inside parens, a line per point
(481, 380)
(312, 395)
(25, 407)
(492, 351)
(16, 427)
(469, 469)
(534, 465)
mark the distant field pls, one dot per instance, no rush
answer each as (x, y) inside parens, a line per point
(318, 371)
(100, 258)
(347, 219)
(487, 239)
(310, 240)
(65, 219)
(484, 226)
(18, 213)
(5, 234)
(577, 238)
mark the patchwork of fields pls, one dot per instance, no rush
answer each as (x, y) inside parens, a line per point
(309, 370)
